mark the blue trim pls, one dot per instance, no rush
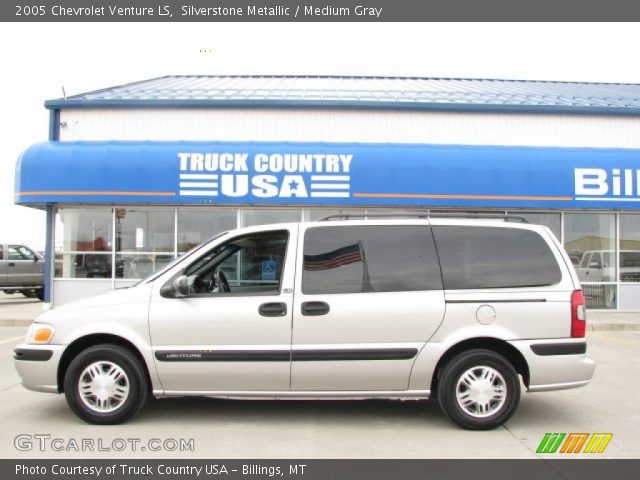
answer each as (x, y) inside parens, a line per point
(72, 103)
(311, 173)
(48, 254)
(54, 125)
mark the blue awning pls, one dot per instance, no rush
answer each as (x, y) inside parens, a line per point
(344, 174)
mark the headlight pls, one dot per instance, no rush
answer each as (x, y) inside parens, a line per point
(39, 333)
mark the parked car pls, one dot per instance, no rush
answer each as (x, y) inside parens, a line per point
(21, 271)
(600, 266)
(462, 310)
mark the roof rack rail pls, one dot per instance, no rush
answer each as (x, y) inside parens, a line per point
(350, 216)
(490, 216)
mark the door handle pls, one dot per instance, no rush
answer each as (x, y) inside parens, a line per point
(11, 264)
(274, 309)
(315, 308)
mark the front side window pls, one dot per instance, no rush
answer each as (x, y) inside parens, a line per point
(357, 259)
(19, 252)
(251, 264)
(494, 257)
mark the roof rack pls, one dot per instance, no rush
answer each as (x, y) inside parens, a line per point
(489, 216)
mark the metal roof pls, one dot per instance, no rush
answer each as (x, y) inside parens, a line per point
(237, 91)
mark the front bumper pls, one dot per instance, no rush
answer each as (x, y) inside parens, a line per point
(37, 366)
(553, 365)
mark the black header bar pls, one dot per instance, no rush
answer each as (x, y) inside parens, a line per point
(304, 469)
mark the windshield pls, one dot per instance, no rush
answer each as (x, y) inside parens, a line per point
(155, 275)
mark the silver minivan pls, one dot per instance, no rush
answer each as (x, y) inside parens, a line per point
(465, 310)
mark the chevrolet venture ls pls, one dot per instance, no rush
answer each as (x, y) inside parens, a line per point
(459, 309)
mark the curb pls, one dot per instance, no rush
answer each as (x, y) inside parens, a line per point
(613, 327)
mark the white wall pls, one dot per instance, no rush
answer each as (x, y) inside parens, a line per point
(65, 291)
(351, 126)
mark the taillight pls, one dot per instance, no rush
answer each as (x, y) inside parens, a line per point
(578, 314)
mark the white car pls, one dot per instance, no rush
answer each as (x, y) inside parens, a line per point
(460, 309)
(600, 266)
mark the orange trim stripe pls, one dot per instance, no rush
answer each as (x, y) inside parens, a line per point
(459, 197)
(121, 194)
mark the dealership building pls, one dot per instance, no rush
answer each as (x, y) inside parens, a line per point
(135, 175)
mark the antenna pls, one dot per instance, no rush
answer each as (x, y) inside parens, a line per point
(64, 94)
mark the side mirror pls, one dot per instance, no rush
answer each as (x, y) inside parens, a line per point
(179, 288)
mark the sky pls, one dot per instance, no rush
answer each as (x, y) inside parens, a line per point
(40, 59)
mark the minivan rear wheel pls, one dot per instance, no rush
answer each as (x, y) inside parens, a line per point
(105, 384)
(479, 389)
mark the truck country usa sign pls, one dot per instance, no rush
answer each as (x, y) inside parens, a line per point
(328, 174)
(289, 175)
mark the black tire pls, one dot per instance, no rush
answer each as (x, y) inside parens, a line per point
(28, 293)
(473, 361)
(136, 380)
(39, 294)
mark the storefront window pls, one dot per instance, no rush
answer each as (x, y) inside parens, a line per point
(136, 266)
(83, 265)
(146, 238)
(83, 242)
(144, 230)
(629, 248)
(600, 296)
(590, 243)
(551, 220)
(83, 230)
(272, 215)
(195, 225)
(315, 214)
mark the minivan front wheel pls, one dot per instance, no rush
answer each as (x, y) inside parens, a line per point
(105, 384)
(479, 390)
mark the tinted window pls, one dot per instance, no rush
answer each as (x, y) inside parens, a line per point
(485, 257)
(369, 259)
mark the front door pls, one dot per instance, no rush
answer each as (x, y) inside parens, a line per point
(233, 331)
(23, 266)
(368, 298)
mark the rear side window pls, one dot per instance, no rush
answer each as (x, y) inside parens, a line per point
(353, 259)
(485, 257)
